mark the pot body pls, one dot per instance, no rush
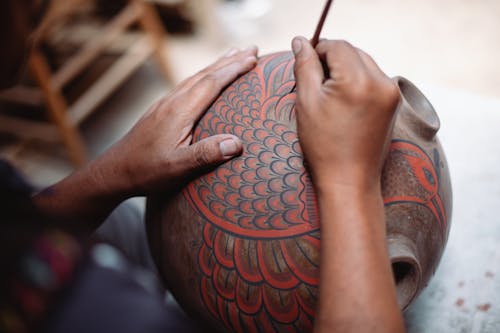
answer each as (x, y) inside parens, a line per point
(239, 246)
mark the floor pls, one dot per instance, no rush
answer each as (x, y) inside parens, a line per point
(449, 48)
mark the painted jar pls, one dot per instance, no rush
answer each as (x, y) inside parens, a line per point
(239, 246)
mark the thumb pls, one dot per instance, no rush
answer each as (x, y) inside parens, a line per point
(308, 69)
(210, 152)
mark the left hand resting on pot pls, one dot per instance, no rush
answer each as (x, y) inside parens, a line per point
(157, 154)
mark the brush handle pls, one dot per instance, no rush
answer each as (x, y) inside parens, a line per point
(319, 27)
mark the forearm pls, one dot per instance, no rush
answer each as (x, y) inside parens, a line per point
(85, 198)
(357, 292)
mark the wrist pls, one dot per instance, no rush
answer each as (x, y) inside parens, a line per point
(341, 201)
(347, 183)
(108, 179)
(87, 196)
(340, 196)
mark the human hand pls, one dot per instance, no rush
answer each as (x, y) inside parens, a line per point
(344, 122)
(345, 115)
(157, 154)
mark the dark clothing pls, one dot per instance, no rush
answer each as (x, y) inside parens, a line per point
(52, 282)
(125, 230)
(105, 300)
(110, 295)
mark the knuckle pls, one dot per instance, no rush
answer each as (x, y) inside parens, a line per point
(360, 88)
(370, 90)
(210, 77)
(392, 94)
(201, 155)
(340, 46)
(186, 82)
(195, 78)
(204, 72)
(342, 43)
(390, 87)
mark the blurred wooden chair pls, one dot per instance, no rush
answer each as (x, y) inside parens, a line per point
(64, 117)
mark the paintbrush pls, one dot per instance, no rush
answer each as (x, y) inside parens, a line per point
(321, 23)
(319, 28)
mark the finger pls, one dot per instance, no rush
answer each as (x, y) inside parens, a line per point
(341, 58)
(205, 91)
(231, 56)
(308, 70)
(230, 52)
(193, 96)
(206, 154)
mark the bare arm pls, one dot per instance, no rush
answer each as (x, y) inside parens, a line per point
(345, 119)
(156, 155)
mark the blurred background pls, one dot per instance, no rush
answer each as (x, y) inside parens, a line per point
(99, 64)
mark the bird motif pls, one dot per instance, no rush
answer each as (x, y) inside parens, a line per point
(417, 178)
(259, 258)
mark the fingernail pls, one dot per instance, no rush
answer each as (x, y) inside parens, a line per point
(231, 52)
(251, 59)
(296, 45)
(229, 148)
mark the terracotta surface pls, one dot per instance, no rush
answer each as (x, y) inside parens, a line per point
(239, 247)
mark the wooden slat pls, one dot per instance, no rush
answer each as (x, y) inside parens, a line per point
(23, 95)
(59, 11)
(95, 46)
(110, 80)
(28, 129)
(67, 119)
(151, 24)
(57, 108)
(77, 35)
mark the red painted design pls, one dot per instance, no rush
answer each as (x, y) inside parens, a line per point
(260, 254)
(422, 181)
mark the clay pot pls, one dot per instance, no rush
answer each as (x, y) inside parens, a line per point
(239, 247)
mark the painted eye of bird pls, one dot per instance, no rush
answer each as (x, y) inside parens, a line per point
(429, 176)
